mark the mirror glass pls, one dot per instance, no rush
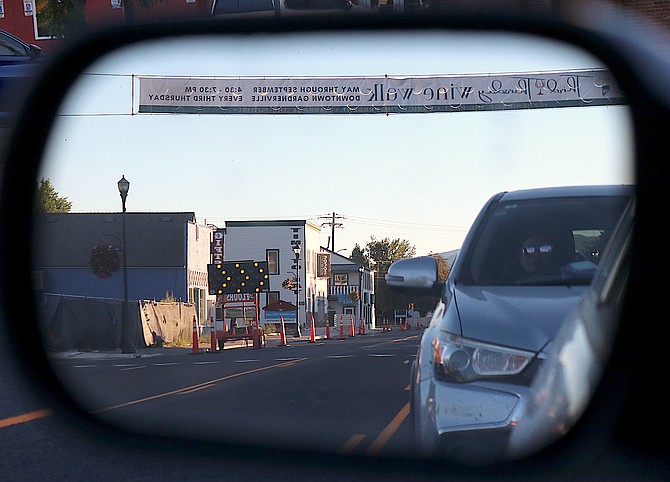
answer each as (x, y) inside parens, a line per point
(264, 144)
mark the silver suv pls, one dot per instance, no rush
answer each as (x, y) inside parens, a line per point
(524, 265)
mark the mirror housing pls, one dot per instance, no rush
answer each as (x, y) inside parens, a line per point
(415, 276)
(35, 51)
(641, 72)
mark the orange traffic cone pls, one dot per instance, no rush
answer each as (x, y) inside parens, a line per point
(351, 326)
(196, 348)
(341, 329)
(312, 334)
(212, 334)
(327, 330)
(282, 334)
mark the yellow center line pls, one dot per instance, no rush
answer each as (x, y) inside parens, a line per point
(198, 386)
(388, 432)
(351, 444)
(26, 417)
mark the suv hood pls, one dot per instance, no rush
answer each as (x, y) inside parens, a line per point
(525, 317)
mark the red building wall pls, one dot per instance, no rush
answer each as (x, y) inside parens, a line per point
(16, 22)
(99, 13)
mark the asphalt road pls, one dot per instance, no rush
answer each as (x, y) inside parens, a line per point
(334, 395)
(338, 397)
(345, 400)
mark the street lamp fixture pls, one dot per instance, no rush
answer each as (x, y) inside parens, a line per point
(296, 251)
(124, 187)
(126, 340)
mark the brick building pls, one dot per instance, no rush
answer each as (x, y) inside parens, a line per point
(22, 17)
(25, 18)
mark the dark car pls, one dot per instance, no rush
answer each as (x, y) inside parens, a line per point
(319, 4)
(575, 360)
(14, 82)
(526, 262)
(245, 8)
(14, 51)
(19, 62)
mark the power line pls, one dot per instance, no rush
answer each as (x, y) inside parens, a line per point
(333, 223)
(405, 224)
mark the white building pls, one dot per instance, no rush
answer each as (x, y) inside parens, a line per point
(275, 242)
(351, 291)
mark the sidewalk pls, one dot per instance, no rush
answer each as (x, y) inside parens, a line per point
(272, 341)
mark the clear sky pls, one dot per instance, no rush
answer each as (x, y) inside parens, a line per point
(418, 177)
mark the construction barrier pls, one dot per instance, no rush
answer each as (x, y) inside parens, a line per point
(258, 339)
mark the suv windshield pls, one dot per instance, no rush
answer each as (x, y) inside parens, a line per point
(541, 241)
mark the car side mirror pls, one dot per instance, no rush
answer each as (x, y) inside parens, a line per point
(35, 51)
(642, 77)
(415, 276)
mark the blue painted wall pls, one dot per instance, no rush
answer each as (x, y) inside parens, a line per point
(143, 283)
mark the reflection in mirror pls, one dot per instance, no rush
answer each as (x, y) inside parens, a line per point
(272, 181)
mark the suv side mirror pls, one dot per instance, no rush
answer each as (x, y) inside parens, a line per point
(415, 276)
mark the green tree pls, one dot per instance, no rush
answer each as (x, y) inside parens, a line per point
(358, 256)
(47, 200)
(67, 18)
(380, 254)
(386, 251)
(61, 18)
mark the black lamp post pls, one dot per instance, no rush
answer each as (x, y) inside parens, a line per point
(296, 251)
(126, 341)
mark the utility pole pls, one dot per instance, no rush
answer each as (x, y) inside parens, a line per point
(333, 217)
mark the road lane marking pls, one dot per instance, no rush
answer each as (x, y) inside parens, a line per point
(26, 417)
(340, 356)
(186, 392)
(133, 368)
(388, 432)
(351, 444)
(206, 384)
(390, 342)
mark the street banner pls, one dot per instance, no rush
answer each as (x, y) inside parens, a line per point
(375, 95)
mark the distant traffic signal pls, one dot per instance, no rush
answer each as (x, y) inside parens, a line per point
(233, 277)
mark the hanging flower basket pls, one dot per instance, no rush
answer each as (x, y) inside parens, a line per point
(105, 260)
(288, 284)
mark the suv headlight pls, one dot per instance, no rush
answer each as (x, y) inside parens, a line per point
(462, 360)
